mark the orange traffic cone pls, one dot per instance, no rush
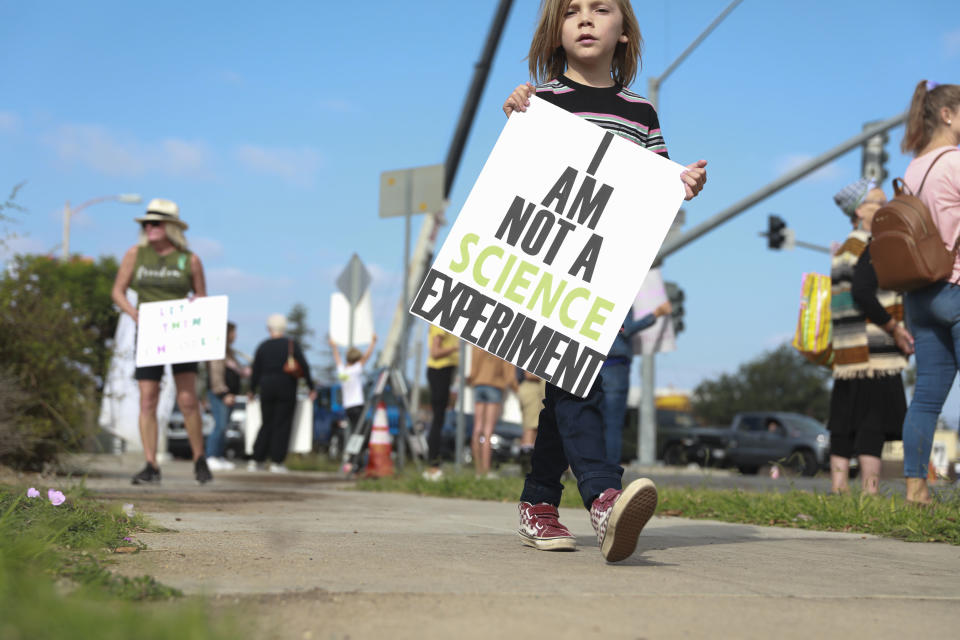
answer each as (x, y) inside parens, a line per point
(380, 463)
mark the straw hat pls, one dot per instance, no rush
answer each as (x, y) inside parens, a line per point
(163, 211)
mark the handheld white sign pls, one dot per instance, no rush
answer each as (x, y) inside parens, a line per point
(551, 246)
(175, 331)
(659, 338)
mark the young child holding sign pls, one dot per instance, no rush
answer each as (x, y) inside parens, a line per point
(584, 53)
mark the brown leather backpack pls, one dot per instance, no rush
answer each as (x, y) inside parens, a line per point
(907, 250)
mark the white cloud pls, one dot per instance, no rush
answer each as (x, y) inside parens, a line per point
(233, 280)
(206, 248)
(336, 105)
(183, 157)
(231, 78)
(778, 340)
(951, 43)
(21, 245)
(9, 122)
(384, 278)
(296, 166)
(97, 148)
(792, 161)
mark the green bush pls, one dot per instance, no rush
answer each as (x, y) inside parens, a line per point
(56, 322)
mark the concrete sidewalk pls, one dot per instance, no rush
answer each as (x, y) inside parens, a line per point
(306, 559)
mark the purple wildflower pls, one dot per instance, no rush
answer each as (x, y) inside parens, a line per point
(56, 497)
(33, 493)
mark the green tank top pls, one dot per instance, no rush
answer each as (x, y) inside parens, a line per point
(157, 277)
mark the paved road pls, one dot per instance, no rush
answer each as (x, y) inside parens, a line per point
(303, 558)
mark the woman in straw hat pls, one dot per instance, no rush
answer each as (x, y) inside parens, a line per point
(160, 267)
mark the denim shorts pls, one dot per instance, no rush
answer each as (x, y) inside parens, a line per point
(486, 393)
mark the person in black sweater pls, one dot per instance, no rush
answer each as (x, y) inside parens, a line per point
(278, 394)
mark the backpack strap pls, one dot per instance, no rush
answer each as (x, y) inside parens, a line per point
(924, 181)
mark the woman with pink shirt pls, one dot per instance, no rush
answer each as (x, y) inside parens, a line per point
(933, 313)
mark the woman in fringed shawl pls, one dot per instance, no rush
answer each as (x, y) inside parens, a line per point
(870, 346)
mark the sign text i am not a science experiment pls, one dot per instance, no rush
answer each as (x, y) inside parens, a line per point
(517, 337)
(544, 282)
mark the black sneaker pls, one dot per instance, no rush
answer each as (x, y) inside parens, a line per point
(201, 471)
(149, 475)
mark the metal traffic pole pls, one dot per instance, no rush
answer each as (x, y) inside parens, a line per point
(405, 296)
(470, 103)
(675, 244)
(647, 431)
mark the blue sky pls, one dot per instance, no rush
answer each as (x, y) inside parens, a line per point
(270, 125)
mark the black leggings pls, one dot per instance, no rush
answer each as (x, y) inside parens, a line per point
(274, 436)
(439, 381)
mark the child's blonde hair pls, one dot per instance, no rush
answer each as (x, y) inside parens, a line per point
(547, 59)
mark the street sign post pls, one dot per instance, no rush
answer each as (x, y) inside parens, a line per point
(409, 191)
(406, 192)
(353, 282)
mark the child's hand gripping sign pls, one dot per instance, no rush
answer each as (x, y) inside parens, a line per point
(552, 245)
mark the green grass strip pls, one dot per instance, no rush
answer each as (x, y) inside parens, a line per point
(70, 541)
(55, 581)
(887, 516)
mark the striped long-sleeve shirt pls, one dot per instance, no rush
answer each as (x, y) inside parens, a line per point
(615, 108)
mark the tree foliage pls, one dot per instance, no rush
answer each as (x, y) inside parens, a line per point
(297, 327)
(5, 217)
(778, 380)
(56, 325)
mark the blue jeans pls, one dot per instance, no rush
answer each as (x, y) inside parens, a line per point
(216, 441)
(570, 434)
(486, 393)
(616, 385)
(933, 315)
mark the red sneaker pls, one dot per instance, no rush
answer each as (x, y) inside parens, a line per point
(540, 528)
(618, 517)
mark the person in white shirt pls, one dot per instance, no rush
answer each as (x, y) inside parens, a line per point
(351, 378)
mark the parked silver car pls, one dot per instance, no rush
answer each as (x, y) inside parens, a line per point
(179, 446)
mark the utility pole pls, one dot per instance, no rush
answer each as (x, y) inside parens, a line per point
(419, 260)
(480, 73)
(68, 213)
(647, 433)
(672, 245)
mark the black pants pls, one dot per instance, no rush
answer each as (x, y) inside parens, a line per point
(274, 436)
(439, 381)
(570, 433)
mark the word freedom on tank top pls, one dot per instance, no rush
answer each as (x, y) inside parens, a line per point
(157, 278)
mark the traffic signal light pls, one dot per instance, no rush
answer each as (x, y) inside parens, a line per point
(676, 297)
(874, 157)
(776, 231)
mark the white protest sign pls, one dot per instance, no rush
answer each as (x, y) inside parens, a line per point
(340, 320)
(301, 432)
(182, 330)
(660, 336)
(546, 256)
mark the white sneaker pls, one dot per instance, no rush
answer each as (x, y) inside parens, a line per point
(491, 475)
(220, 464)
(253, 465)
(278, 468)
(433, 475)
